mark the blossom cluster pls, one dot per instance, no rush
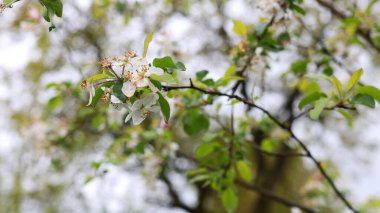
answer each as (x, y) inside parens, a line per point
(133, 71)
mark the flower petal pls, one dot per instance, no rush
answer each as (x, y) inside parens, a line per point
(137, 117)
(115, 100)
(129, 116)
(128, 89)
(142, 83)
(150, 100)
(92, 93)
(154, 109)
(137, 105)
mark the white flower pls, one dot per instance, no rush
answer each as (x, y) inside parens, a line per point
(137, 75)
(116, 103)
(142, 108)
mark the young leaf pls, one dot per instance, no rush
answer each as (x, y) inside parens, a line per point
(354, 79)
(165, 78)
(165, 107)
(244, 170)
(194, 122)
(229, 199)
(230, 71)
(318, 108)
(365, 100)
(98, 94)
(300, 66)
(97, 77)
(337, 85)
(297, 8)
(201, 74)
(116, 91)
(239, 28)
(346, 116)
(180, 66)
(370, 90)
(310, 99)
(148, 39)
(204, 149)
(164, 63)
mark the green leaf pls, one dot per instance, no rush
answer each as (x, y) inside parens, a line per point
(300, 66)
(370, 90)
(297, 8)
(166, 78)
(229, 199)
(148, 39)
(230, 71)
(204, 149)
(164, 63)
(310, 99)
(116, 91)
(201, 74)
(194, 122)
(55, 6)
(364, 99)
(157, 84)
(354, 79)
(244, 170)
(165, 107)
(239, 28)
(98, 94)
(54, 102)
(97, 77)
(346, 116)
(318, 108)
(337, 84)
(269, 145)
(89, 179)
(180, 66)
(328, 70)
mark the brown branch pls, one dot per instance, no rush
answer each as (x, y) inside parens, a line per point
(260, 190)
(327, 108)
(361, 31)
(278, 154)
(274, 197)
(280, 124)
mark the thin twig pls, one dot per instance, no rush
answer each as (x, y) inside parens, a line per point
(280, 124)
(278, 154)
(261, 191)
(361, 31)
(274, 197)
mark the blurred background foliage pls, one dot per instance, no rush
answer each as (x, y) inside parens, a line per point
(70, 158)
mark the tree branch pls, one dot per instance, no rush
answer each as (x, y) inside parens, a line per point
(274, 197)
(362, 32)
(262, 191)
(280, 124)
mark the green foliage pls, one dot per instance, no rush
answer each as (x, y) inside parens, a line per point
(310, 99)
(229, 199)
(364, 99)
(167, 62)
(239, 28)
(194, 122)
(116, 89)
(204, 150)
(299, 67)
(318, 108)
(370, 90)
(165, 108)
(147, 41)
(244, 170)
(354, 79)
(51, 8)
